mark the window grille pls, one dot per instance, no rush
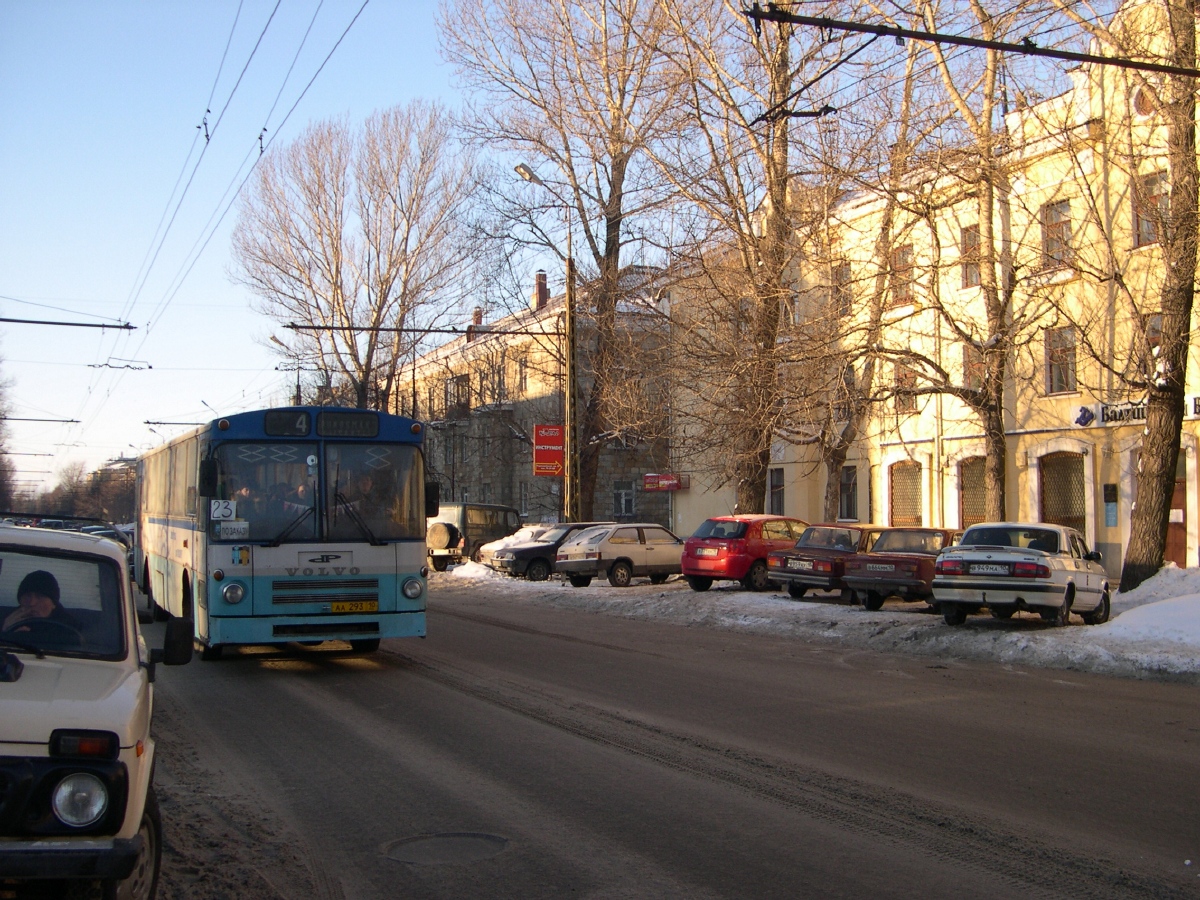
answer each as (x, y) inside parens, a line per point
(970, 256)
(848, 493)
(1062, 489)
(1056, 234)
(906, 494)
(972, 491)
(1060, 360)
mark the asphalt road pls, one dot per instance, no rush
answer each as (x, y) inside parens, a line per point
(525, 752)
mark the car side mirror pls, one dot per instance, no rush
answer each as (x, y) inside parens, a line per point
(206, 483)
(177, 646)
(1094, 556)
(433, 498)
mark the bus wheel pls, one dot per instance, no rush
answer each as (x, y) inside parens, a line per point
(210, 652)
(365, 645)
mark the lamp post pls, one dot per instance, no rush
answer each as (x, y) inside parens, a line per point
(570, 474)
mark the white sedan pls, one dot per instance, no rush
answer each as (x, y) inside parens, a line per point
(1007, 566)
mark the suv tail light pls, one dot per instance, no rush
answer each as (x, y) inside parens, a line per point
(1030, 570)
(948, 567)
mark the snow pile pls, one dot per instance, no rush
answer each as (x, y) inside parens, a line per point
(1155, 631)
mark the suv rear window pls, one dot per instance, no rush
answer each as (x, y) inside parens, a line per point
(721, 529)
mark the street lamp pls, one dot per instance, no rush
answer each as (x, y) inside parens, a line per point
(295, 356)
(570, 475)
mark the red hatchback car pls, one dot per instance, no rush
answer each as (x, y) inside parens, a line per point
(735, 548)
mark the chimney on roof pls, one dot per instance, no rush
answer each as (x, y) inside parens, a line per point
(477, 316)
(541, 292)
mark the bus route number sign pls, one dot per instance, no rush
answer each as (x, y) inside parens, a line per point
(219, 510)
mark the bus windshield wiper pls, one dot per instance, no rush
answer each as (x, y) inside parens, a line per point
(340, 500)
(292, 526)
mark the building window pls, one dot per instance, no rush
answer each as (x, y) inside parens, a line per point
(905, 494)
(1056, 234)
(972, 491)
(840, 292)
(848, 493)
(906, 383)
(622, 499)
(522, 376)
(485, 493)
(1150, 203)
(1060, 360)
(458, 395)
(974, 367)
(970, 256)
(523, 497)
(902, 275)
(1063, 501)
(775, 493)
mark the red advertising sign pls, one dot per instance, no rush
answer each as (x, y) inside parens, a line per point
(660, 482)
(548, 450)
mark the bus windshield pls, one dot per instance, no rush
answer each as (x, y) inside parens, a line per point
(266, 492)
(373, 492)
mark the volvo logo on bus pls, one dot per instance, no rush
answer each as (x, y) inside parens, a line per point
(325, 558)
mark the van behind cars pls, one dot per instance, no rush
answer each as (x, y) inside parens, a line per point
(460, 529)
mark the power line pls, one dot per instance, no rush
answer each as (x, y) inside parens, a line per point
(1025, 49)
(123, 327)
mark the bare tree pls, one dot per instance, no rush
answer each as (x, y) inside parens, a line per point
(576, 89)
(346, 232)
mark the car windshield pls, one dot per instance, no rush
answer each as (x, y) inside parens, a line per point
(902, 541)
(1010, 536)
(586, 534)
(828, 538)
(726, 529)
(61, 604)
(556, 533)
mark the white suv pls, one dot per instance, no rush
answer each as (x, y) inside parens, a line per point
(76, 756)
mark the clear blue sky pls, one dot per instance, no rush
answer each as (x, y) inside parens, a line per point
(99, 108)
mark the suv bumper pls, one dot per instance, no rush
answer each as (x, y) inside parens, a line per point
(91, 858)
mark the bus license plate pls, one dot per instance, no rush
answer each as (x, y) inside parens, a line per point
(353, 606)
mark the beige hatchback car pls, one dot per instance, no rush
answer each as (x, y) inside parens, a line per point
(620, 552)
(77, 809)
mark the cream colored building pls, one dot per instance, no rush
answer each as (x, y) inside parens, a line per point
(1076, 221)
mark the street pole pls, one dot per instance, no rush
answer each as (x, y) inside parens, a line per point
(570, 475)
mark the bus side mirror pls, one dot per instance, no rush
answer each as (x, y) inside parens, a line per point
(433, 498)
(207, 482)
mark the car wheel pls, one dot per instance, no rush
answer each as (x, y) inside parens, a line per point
(620, 574)
(538, 570)
(440, 563)
(796, 591)
(1060, 616)
(476, 554)
(660, 578)
(142, 882)
(365, 645)
(756, 579)
(1100, 614)
(1003, 612)
(873, 601)
(954, 613)
(580, 580)
(699, 582)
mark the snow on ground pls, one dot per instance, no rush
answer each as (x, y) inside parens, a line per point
(1154, 632)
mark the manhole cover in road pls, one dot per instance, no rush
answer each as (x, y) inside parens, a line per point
(443, 849)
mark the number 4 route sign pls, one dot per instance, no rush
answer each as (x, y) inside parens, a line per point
(547, 450)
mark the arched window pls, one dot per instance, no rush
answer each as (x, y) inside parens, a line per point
(1062, 487)
(905, 484)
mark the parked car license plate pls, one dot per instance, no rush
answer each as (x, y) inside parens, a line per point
(880, 567)
(706, 551)
(352, 606)
(989, 569)
(799, 564)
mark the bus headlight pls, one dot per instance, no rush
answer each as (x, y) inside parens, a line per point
(412, 588)
(80, 800)
(233, 593)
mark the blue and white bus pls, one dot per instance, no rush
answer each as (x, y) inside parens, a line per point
(294, 524)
